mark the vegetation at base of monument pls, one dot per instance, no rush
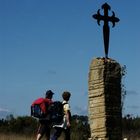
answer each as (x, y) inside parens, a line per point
(131, 126)
(27, 126)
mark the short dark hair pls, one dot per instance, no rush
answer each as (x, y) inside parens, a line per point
(66, 95)
(49, 94)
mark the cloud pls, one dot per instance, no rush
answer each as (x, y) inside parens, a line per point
(4, 113)
(134, 107)
(4, 110)
(51, 72)
(131, 92)
(81, 110)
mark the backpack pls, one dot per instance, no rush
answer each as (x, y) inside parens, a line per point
(57, 112)
(39, 107)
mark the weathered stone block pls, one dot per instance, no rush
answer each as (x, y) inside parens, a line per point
(105, 99)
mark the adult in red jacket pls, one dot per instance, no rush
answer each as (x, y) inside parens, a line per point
(45, 124)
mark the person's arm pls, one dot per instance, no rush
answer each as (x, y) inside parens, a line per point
(68, 118)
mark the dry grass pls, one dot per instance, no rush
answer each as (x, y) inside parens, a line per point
(15, 137)
(131, 138)
(19, 137)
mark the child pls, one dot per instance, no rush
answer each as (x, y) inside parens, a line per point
(65, 126)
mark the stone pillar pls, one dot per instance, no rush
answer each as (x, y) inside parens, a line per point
(104, 96)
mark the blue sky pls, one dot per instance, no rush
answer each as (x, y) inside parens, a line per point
(49, 44)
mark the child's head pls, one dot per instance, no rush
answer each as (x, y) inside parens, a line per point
(66, 95)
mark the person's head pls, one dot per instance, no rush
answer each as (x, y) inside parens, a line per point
(66, 95)
(49, 94)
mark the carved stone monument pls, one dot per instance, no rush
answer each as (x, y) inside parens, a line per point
(104, 85)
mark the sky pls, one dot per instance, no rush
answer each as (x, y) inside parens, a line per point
(49, 44)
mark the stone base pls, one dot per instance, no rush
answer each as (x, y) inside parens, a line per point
(105, 100)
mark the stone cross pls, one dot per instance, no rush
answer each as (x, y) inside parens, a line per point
(106, 29)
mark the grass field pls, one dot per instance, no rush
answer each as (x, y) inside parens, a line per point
(20, 137)
(15, 137)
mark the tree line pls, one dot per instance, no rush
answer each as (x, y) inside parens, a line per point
(26, 125)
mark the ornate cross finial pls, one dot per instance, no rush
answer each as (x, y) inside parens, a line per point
(106, 29)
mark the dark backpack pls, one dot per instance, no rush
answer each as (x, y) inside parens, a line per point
(39, 108)
(57, 112)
